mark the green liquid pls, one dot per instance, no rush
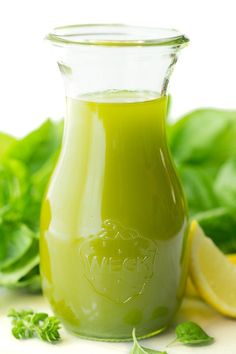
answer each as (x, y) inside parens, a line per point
(113, 253)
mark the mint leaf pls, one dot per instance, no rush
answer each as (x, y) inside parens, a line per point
(191, 333)
(138, 349)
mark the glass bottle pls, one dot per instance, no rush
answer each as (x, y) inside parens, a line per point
(114, 219)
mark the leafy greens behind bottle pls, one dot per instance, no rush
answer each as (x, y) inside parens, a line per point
(25, 167)
(203, 144)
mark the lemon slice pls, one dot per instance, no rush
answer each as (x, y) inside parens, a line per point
(212, 273)
(191, 289)
(232, 258)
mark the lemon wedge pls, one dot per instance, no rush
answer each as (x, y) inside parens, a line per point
(212, 273)
(190, 289)
(232, 258)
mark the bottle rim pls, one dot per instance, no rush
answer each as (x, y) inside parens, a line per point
(116, 35)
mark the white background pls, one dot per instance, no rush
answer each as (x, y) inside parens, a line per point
(30, 85)
(31, 90)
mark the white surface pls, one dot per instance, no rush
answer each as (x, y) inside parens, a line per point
(30, 85)
(222, 329)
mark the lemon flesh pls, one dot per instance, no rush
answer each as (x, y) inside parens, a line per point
(212, 273)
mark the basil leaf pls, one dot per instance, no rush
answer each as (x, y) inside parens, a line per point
(11, 275)
(31, 284)
(5, 142)
(203, 145)
(220, 225)
(225, 184)
(25, 168)
(138, 349)
(14, 188)
(205, 136)
(15, 242)
(39, 181)
(198, 186)
(36, 148)
(192, 333)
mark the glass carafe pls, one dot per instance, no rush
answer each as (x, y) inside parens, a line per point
(114, 220)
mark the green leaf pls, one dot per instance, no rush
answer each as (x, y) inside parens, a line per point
(49, 330)
(38, 151)
(203, 145)
(19, 315)
(25, 168)
(220, 225)
(41, 177)
(15, 241)
(198, 186)
(191, 333)
(138, 349)
(14, 188)
(225, 184)
(5, 142)
(36, 148)
(205, 136)
(39, 181)
(30, 282)
(12, 274)
(27, 324)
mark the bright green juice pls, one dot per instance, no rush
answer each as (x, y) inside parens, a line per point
(113, 253)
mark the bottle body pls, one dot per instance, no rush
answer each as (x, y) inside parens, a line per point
(114, 220)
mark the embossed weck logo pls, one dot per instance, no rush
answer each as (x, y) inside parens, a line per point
(118, 262)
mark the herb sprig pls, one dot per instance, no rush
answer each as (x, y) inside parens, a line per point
(27, 324)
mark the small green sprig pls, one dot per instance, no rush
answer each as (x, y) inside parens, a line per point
(138, 349)
(188, 333)
(27, 324)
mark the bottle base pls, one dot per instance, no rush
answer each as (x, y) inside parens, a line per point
(119, 339)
